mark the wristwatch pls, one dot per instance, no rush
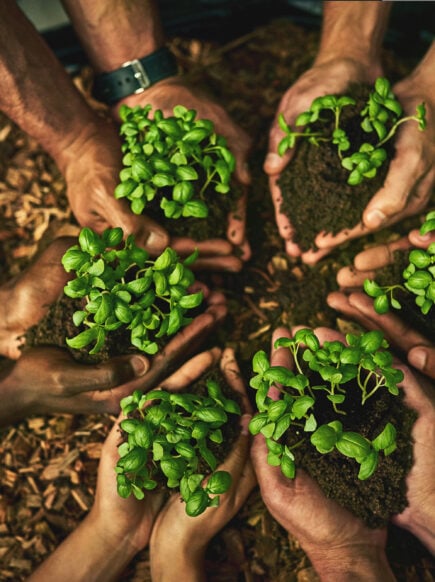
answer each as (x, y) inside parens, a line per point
(134, 76)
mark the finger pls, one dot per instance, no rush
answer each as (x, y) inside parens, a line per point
(212, 247)
(312, 257)
(231, 372)
(192, 370)
(184, 344)
(380, 255)
(340, 302)
(349, 277)
(77, 378)
(284, 227)
(421, 241)
(237, 462)
(404, 174)
(423, 359)
(230, 264)
(326, 334)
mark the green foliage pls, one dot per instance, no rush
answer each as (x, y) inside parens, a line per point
(121, 286)
(170, 439)
(174, 160)
(363, 359)
(418, 278)
(382, 114)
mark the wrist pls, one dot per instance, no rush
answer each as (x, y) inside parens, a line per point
(358, 563)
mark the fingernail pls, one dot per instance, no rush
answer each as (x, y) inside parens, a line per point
(375, 218)
(273, 160)
(418, 358)
(139, 365)
(244, 422)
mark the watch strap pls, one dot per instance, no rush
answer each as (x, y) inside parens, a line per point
(134, 76)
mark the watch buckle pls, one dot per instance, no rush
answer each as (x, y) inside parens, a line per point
(139, 74)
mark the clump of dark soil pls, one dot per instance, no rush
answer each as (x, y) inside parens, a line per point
(376, 499)
(315, 194)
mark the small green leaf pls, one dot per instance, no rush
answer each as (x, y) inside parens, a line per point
(219, 482)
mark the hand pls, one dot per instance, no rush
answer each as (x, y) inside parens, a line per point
(419, 351)
(110, 535)
(419, 516)
(91, 166)
(188, 537)
(338, 544)
(165, 95)
(327, 77)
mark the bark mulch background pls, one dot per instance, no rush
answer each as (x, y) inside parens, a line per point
(49, 464)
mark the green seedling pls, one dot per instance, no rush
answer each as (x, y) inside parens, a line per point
(173, 160)
(168, 435)
(418, 278)
(122, 287)
(363, 360)
(382, 114)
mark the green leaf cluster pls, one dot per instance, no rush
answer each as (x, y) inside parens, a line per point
(121, 286)
(174, 160)
(418, 278)
(168, 435)
(363, 359)
(382, 114)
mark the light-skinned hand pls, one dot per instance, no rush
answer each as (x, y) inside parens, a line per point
(186, 536)
(339, 545)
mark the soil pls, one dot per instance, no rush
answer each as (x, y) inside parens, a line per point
(410, 312)
(49, 463)
(315, 194)
(382, 495)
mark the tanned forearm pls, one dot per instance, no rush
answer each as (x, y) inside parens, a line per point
(36, 91)
(87, 555)
(115, 31)
(353, 29)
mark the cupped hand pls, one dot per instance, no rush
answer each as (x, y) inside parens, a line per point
(419, 516)
(328, 77)
(165, 95)
(91, 166)
(25, 299)
(419, 351)
(334, 539)
(187, 536)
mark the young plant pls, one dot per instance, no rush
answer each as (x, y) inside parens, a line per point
(362, 360)
(174, 160)
(418, 278)
(121, 286)
(168, 436)
(382, 114)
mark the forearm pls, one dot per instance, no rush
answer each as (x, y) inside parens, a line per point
(115, 31)
(422, 80)
(358, 564)
(36, 92)
(353, 29)
(87, 555)
(186, 563)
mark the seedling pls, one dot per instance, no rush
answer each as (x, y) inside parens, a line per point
(121, 286)
(169, 436)
(362, 360)
(418, 278)
(382, 114)
(175, 161)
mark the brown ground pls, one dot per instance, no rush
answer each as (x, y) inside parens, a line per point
(48, 464)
